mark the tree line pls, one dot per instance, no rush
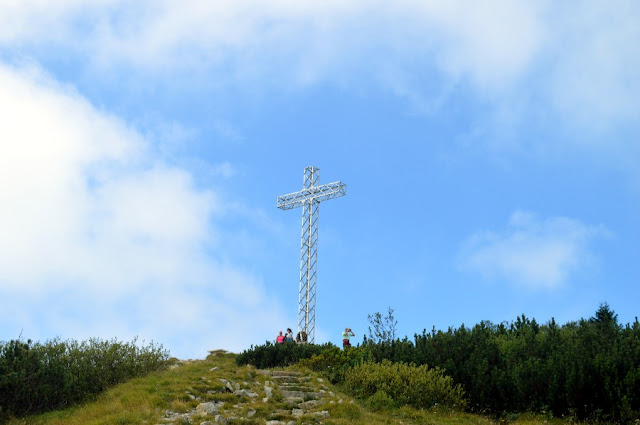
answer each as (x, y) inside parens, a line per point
(589, 369)
(586, 370)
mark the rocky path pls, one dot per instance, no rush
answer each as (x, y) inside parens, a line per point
(301, 396)
(268, 397)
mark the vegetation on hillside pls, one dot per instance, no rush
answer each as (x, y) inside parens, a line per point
(400, 384)
(171, 396)
(587, 370)
(37, 377)
(278, 355)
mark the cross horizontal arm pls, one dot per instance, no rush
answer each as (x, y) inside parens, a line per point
(314, 193)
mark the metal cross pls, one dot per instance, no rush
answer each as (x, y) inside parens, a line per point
(309, 199)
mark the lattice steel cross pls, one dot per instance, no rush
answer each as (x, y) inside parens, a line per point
(309, 199)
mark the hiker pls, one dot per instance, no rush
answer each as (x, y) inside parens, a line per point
(301, 338)
(288, 337)
(348, 333)
(280, 338)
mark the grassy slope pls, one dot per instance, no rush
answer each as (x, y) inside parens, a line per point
(145, 401)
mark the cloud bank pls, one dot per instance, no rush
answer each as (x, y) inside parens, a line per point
(574, 63)
(532, 252)
(94, 223)
(314, 41)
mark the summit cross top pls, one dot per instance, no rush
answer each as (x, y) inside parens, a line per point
(309, 199)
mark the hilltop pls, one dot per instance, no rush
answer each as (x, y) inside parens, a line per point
(217, 391)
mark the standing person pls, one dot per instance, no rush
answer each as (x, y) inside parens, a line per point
(348, 333)
(280, 338)
(289, 335)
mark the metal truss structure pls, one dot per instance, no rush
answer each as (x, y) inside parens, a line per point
(309, 199)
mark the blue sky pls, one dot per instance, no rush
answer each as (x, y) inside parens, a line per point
(491, 155)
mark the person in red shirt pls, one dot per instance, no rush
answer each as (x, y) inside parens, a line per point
(280, 338)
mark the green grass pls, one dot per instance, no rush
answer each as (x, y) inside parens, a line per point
(145, 400)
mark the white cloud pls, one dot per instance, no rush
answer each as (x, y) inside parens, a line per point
(491, 42)
(574, 64)
(594, 79)
(532, 252)
(101, 238)
(301, 42)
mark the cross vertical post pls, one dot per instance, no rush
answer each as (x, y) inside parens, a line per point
(309, 199)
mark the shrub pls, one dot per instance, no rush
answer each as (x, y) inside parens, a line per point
(36, 377)
(417, 386)
(278, 355)
(334, 362)
(380, 401)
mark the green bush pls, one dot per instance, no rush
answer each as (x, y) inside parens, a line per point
(36, 377)
(278, 355)
(380, 401)
(405, 384)
(334, 362)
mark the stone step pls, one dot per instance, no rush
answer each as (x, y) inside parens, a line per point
(300, 394)
(281, 373)
(288, 394)
(293, 384)
(299, 388)
(310, 404)
(293, 379)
